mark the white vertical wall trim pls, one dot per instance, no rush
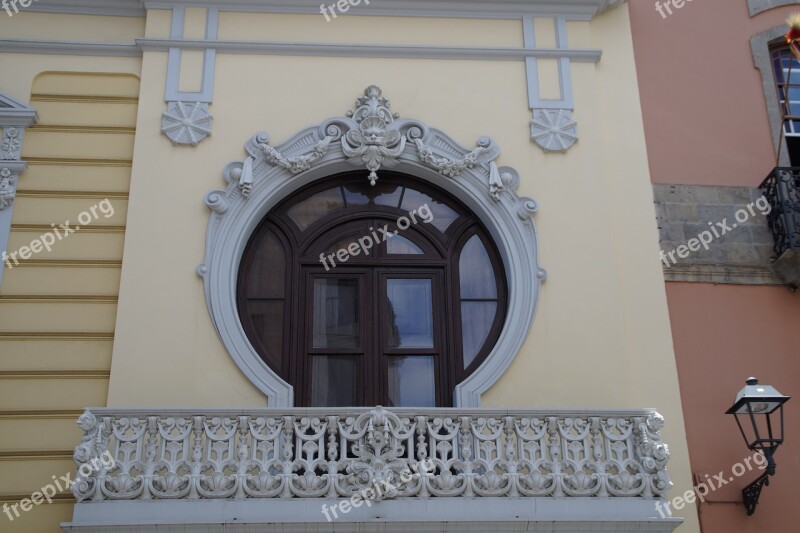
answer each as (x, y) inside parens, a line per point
(552, 126)
(187, 120)
(15, 116)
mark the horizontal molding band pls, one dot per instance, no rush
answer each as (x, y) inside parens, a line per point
(55, 374)
(725, 274)
(61, 497)
(41, 413)
(101, 195)
(60, 299)
(33, 46)
(15, 455)
(55, 335)
(69, 263)
(369, 51)
(82, 162)
(497, 9)
(52, 128)
(81, 98)
(306, 49)
(36, 228)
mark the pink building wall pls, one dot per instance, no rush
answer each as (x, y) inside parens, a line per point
(705, 116)
(706, 123)
(722, 334)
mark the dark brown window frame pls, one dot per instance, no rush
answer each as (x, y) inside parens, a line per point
(302, 259)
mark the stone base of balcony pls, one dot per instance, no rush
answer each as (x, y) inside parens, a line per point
(498, 515)
(787, 267)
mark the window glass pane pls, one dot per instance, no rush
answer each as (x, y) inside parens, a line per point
(344, 244)
(410, 313)
(476, 321)
(334, 381)
(442, 215)
(317, 206)
(476, 272)
(365, 194)
(265, 277)
(267, 319)
(412, 381)
(336, 321)
(401, 246)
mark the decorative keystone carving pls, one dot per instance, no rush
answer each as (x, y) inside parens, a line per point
(369, 136)
(373, 141)
(186, 123)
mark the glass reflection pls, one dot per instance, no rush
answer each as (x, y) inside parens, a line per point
(398, 245)
(410, 313)
(476, 272)
(476, 321)
(443, 216)
(316, 207)
(334, 381)
(412, 381)
(336, 321)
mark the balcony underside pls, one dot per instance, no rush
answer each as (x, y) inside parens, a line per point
(404, 515)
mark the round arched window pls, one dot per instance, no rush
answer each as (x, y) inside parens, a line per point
(360, 295)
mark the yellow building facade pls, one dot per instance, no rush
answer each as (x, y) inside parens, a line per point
(140, 110)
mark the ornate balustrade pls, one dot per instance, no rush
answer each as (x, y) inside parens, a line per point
(782, 191)
(337, 453)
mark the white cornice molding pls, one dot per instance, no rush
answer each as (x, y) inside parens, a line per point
(504, 9)
(78, 48)
(118, 8)
(359, 50)
(16, 113)
(31, 46)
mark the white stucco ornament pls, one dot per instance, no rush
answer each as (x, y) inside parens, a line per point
(8, 189)
(371, 138)
(186, 123)
(554, 129)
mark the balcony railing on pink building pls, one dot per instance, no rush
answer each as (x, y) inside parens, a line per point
(337, 453)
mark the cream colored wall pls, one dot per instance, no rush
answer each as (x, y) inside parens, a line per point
(57, 311)
(601, 336)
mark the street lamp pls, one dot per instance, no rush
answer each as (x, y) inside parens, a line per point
(756, 404)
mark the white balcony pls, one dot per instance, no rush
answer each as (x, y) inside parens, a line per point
(399, 469)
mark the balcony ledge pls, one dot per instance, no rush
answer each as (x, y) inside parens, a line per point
(440, 515)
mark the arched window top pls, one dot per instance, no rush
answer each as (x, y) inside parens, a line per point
(321, 203)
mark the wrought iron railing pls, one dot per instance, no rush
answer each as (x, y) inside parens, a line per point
(337, 453)
(782, 190)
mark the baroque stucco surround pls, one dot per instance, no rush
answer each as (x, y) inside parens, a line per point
(373, 139)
